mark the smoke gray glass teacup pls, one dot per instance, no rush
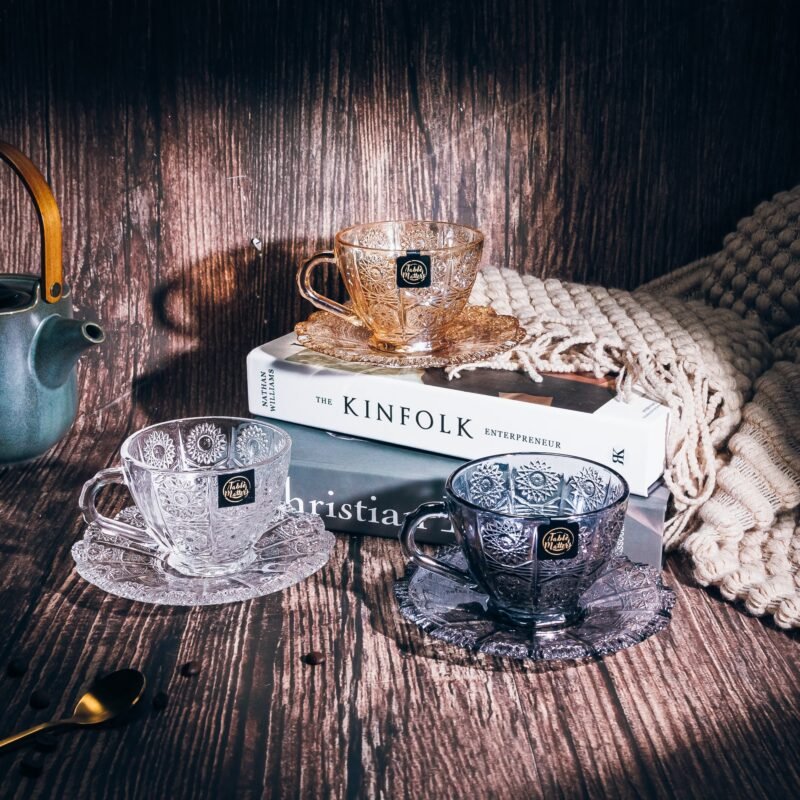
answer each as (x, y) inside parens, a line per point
(536, 529)
(207, 489)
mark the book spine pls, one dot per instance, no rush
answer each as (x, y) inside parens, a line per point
(446, 421)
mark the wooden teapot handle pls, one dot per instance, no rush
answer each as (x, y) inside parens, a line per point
(49, 217)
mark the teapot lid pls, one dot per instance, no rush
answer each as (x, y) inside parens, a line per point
(16, 291)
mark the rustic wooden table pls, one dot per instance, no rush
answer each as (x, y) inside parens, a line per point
(708, 708)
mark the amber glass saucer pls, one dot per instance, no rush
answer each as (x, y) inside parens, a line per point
(476, 335)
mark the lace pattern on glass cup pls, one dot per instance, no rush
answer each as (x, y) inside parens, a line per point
(207, 488)
(535, 529)
(406, 310)
(518, 500)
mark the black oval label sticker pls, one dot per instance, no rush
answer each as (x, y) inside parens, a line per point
(236, 489)
(557, 540)
(413, 271)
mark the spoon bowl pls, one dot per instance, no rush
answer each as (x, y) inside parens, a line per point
(108, 697)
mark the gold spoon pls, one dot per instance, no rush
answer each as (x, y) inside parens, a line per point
(107, 698)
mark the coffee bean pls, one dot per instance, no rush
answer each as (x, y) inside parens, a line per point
(315, 657)
(160, 701)
(39, 699)
(31, 766)
(17, 667)
(190, 668)
(46, 742)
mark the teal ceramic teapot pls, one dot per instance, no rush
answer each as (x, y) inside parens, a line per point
(40, 343)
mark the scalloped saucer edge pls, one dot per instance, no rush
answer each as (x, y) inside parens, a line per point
(293, 548)
(627, 604)
(477, 334)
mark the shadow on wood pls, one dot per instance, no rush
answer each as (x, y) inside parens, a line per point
(216, 312)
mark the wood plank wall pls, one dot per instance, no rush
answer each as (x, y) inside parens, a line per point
(594, 141)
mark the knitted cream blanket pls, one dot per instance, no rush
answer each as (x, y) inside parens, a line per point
(748, 542)
(698, 341)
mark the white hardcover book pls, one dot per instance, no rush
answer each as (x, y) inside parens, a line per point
(482, 413)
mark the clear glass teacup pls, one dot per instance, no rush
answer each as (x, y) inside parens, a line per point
(207, 489)
(407, 280)
(536, 529)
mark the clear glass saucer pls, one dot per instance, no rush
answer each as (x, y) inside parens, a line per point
(295, 546)
(478, 333)
(627, 604)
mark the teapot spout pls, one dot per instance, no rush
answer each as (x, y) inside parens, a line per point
(57, 346)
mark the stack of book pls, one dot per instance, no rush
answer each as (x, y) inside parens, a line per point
(371, 443)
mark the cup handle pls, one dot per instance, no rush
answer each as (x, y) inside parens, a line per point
(410, 525)
(319, 300)
(92, 515)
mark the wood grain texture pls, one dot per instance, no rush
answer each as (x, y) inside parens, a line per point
(603, 142)
(709, 708)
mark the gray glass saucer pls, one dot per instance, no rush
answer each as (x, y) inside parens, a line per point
(294, 547)
(627, 604)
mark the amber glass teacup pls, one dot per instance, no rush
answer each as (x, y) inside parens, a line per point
(407, 281)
